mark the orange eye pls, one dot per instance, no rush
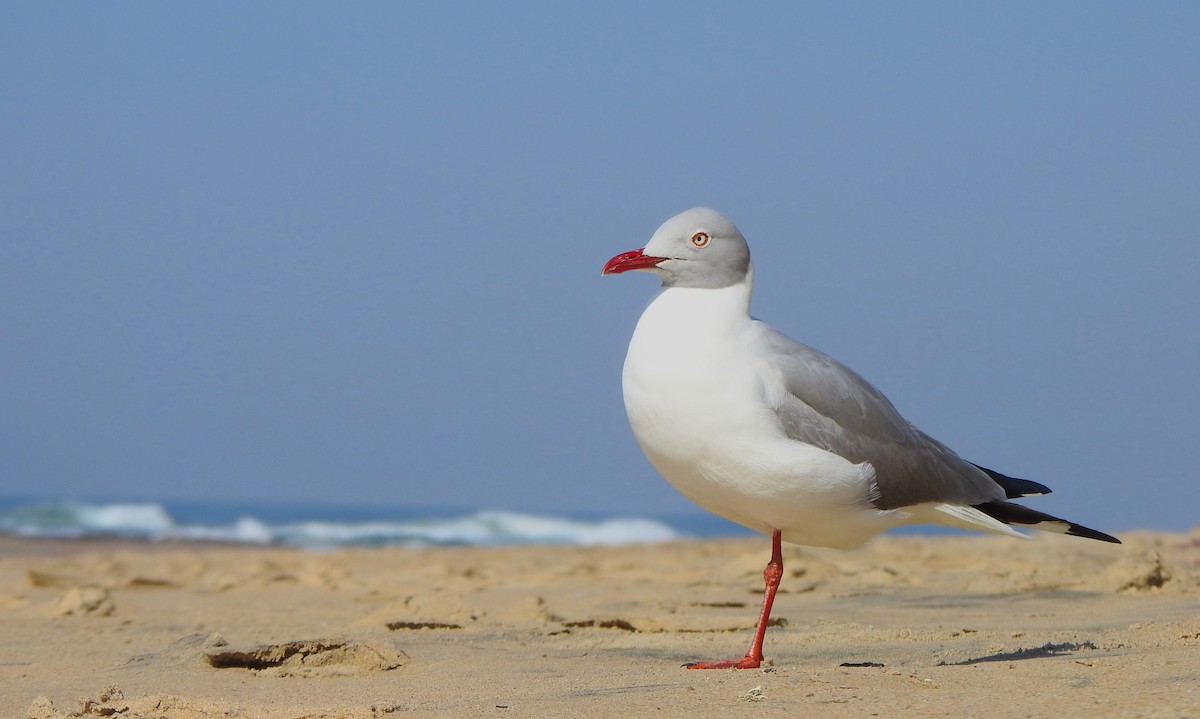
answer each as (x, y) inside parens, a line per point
(700, 239)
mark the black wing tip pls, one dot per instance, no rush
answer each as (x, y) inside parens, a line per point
(1013, 487)
(1078, 530)
(1010, 513)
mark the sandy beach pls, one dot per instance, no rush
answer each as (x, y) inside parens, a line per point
(906, 627)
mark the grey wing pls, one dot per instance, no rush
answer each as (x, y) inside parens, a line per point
(828, 405)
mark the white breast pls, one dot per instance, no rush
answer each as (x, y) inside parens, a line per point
(696, 391)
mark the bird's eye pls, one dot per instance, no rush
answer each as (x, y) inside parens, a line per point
(700, 239)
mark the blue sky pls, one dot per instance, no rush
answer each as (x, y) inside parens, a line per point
(349, 253)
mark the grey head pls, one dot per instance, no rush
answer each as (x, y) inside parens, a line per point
(698, 248)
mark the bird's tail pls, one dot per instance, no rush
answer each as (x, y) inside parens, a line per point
(1010, 513)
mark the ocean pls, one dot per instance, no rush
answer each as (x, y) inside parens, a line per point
(325, 527)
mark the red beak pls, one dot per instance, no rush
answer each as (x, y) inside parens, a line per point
(632, 260)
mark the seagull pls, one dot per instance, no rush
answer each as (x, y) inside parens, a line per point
(775, 435)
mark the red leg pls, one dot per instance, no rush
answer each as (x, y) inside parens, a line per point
(771, 576)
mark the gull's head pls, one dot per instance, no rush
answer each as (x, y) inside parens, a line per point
(697, 248)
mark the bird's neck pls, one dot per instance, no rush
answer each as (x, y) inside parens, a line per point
(703, 307)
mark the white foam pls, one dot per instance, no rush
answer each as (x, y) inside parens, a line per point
(149, 519)
(246, 530)
(483, 528)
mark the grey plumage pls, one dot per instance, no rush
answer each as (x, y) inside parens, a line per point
(723, 259)
(830, 406)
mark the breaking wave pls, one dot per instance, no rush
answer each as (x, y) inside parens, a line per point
(151, 521)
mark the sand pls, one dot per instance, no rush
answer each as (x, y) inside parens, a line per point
(931, 627)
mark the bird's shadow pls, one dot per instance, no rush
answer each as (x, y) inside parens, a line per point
(1049, 649)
